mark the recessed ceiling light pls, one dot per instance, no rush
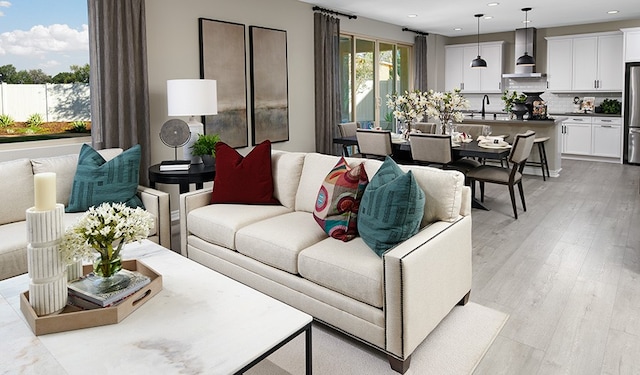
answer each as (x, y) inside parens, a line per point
(488, 17)
(612, 12)
(412, 15)
(457, 29)
(493, 4)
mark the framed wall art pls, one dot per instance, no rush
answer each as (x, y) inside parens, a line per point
(269, 85)
(223, 58)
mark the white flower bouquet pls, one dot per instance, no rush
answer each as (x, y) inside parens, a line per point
(446, 106)
(410, 107)
(104, 230)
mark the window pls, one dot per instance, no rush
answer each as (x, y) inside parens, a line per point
(44, 73)
(371, 70)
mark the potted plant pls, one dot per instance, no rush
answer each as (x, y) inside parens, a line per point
(515, 103)
(205, 147)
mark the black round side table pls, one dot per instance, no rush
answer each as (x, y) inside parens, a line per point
(197, 174)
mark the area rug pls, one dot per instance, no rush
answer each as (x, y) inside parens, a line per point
(455, 347)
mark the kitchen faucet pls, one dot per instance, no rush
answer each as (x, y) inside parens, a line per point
(485, 97)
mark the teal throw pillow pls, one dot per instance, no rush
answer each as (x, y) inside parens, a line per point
(97, 181)
(391, 209)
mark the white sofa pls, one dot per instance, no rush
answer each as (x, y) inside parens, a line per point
(391, 303)
(17, 195)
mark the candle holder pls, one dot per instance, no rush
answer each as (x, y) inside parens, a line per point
(47, 271)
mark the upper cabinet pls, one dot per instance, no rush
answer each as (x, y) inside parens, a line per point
(585, 63)
(459, 74)
(631, 44)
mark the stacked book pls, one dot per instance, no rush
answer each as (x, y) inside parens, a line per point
(175, 165)
(87, 292)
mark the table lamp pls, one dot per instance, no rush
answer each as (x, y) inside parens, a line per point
(192, 97)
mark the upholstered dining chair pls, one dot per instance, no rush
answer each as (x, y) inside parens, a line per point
(435, 149)
(475, 130)
(374, 143)
(348, 129)
(511, 176)
(425, 127)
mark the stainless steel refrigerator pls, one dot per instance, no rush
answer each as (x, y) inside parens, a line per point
(632, 113)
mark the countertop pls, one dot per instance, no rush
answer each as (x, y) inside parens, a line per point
(488, 120)
(587, 114)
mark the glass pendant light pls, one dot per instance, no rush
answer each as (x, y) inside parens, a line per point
(526, 60)
(478, 62)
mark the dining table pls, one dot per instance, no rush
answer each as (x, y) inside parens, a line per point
(402, 154)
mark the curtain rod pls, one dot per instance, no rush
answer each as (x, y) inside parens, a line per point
(415, 31)
(334, 12)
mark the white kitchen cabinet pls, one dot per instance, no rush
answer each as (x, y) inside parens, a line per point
(606, 137)
(585, 63)
(631, 44)
(459, 74)
(576, 138)
(560, 64)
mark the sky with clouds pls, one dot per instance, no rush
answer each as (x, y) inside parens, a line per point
(44, 34)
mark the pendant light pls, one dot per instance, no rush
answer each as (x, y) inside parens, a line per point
(526, 60)
(478, 62)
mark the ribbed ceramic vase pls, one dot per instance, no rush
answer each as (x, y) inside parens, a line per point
(47, 271)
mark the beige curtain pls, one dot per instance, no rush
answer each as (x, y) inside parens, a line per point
(118, 77)
(327, 80)
(420, 62)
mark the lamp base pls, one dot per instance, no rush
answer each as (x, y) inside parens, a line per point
(196, 128)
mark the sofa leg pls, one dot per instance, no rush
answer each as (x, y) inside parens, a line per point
(464, 299)
(399, 365)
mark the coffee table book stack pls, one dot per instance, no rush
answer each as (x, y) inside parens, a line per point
(73, 317)
(93, 292)
(175, 165)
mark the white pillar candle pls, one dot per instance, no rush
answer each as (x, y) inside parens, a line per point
(45, 191)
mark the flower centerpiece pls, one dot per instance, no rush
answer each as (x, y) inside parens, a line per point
(409, 108)
(446, 106)
(104, 230)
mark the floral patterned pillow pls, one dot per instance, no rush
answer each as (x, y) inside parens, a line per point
(338, 200)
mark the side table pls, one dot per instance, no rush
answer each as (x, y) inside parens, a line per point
(197, 174)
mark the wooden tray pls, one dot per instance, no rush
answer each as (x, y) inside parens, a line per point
(72, 317)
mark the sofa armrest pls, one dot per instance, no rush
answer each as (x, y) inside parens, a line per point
(156, 202)
(465, 207)
(188, 202)
(425, 277)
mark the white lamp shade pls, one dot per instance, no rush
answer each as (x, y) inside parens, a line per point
(192, 97)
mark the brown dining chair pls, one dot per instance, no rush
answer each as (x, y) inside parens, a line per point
(510, 176)
(374, 143)
(435, 149)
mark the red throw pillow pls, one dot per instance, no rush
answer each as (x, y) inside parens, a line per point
(245, 180)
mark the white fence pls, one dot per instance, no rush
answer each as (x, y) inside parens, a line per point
(53, 101)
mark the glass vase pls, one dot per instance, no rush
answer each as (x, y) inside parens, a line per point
(106, 267)
(106, 277)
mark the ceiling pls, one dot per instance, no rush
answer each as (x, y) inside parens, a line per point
(441, 17)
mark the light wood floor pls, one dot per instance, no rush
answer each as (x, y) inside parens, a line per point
(567, 272)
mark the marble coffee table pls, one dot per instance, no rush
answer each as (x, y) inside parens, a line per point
(201, 322)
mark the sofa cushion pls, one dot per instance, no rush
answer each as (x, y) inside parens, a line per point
(16, 189)
(97, 181)
(286, 168)
(218, 223)
(391, 209)
(272, 241)
(65, 169)
(239, 179)
(350, 268)
(337, 202)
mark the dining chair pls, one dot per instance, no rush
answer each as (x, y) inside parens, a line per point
(435, 149)
(348, 129)
(374, 143)
(509, 176)
(425, 127)
(474, 130)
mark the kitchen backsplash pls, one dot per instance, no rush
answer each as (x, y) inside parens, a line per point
(556, 103)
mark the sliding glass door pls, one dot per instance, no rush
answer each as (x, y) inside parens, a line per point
(370, 71)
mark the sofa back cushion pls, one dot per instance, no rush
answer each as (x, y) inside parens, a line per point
(286, 168)
(442, 189)
(315, 169)
(16, 188)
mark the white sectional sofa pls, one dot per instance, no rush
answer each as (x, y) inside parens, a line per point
(391, 303)
(17, 195)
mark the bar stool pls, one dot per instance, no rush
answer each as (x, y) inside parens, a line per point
(543, 164)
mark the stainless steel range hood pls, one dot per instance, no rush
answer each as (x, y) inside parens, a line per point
(525, 42)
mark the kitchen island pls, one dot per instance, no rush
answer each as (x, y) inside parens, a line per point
(548, 128)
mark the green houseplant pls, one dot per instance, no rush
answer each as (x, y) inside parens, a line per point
(205, 146)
